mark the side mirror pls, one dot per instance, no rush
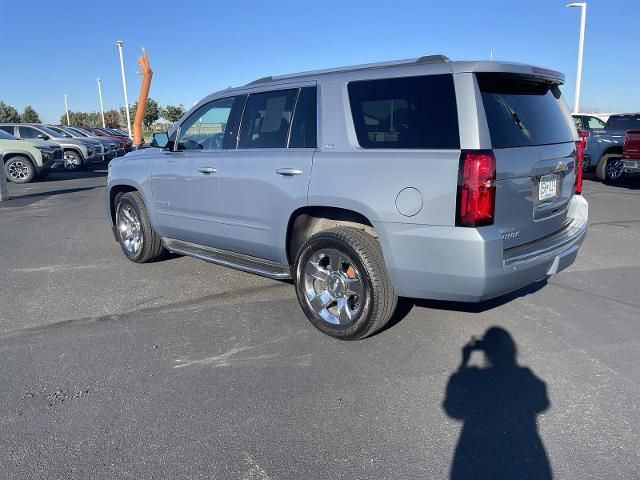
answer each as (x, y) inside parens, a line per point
(160, 140)
(42, 136)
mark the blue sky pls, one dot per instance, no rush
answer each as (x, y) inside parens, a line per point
(198, 47)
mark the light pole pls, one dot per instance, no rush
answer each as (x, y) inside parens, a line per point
(491, 54)
(66, 109)
(583, 18)
(100, 96)
(120, 44)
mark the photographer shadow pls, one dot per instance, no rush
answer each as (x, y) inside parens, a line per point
(498, 405)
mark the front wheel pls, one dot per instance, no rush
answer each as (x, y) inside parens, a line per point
(72, 160)
(19, 169)
(136, 236)
(342, 283)
(609, 168)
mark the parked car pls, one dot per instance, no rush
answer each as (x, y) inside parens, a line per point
(125, 142)
(109, 147)
(631, 152)
(120, 146)
(604, 147)
(424, 179)
(77, 152)
(23, 161)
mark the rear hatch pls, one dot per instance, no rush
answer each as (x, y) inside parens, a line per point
(533, 139)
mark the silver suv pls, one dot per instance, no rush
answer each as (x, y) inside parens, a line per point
(77, 152)
(423, 178)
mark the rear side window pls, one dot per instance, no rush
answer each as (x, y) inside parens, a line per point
(595, 123)
(7, 128)
(405, 113)
(266, 120)
(303, 128)
(522, 111)
(624, 123)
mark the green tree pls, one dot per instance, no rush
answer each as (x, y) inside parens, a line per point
(172, 113)
(29, 115)
(111, 119)
(8, 113)
(151, 113)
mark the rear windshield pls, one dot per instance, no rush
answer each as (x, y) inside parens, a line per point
(405, 113)
(630, 122)
(522, 111)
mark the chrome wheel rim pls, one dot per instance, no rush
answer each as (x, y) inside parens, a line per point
(18, 170)
(130, 229)
(334, 287)
(71, 162)
(614, 168)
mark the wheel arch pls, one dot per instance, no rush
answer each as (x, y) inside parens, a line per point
(19, 153)
(115, 192)
(309, 220)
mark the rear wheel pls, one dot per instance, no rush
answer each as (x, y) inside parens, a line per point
(136, 236)
(342, 283)
(609, 169)
(19, 169)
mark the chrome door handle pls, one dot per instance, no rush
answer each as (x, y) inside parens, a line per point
(207, 170)
(289, 172)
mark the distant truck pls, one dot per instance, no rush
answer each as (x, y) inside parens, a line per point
(631, 152)
(605, 143)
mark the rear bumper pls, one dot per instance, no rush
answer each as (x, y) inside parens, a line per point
(631, 165)
(470, 265)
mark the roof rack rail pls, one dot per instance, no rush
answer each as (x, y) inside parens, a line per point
(433, 59)
(261, 80)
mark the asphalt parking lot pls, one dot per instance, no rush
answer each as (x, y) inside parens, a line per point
(183, 369)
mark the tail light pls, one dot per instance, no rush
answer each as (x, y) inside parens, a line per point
(580, 147)
(476, 199)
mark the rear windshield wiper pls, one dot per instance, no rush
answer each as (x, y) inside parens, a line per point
(515, 117)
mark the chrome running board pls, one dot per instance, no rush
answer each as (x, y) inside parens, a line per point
(246, 263)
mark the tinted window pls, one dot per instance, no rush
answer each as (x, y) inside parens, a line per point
(28, 132)
(522, 112)
(409, 112)
(266, 119)
(7, 128)
(595, 123)
(627, 122)
(304, 128)
(205, 129)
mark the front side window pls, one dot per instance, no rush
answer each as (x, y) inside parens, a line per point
(405, 113)
(266, 119)
(205, 129)
(28, 132)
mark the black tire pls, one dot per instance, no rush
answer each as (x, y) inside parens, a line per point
(605, 170)
(72, 161)
(362, 250)
(150, 247)
(19, 169)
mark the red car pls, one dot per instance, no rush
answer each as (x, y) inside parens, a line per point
(125, 142)
(631, 152)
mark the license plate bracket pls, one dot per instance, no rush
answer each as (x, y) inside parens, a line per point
(548, 187)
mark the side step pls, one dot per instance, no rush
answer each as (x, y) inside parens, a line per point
(246, 263)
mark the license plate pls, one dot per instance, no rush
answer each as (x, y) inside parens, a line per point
(548, 186)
